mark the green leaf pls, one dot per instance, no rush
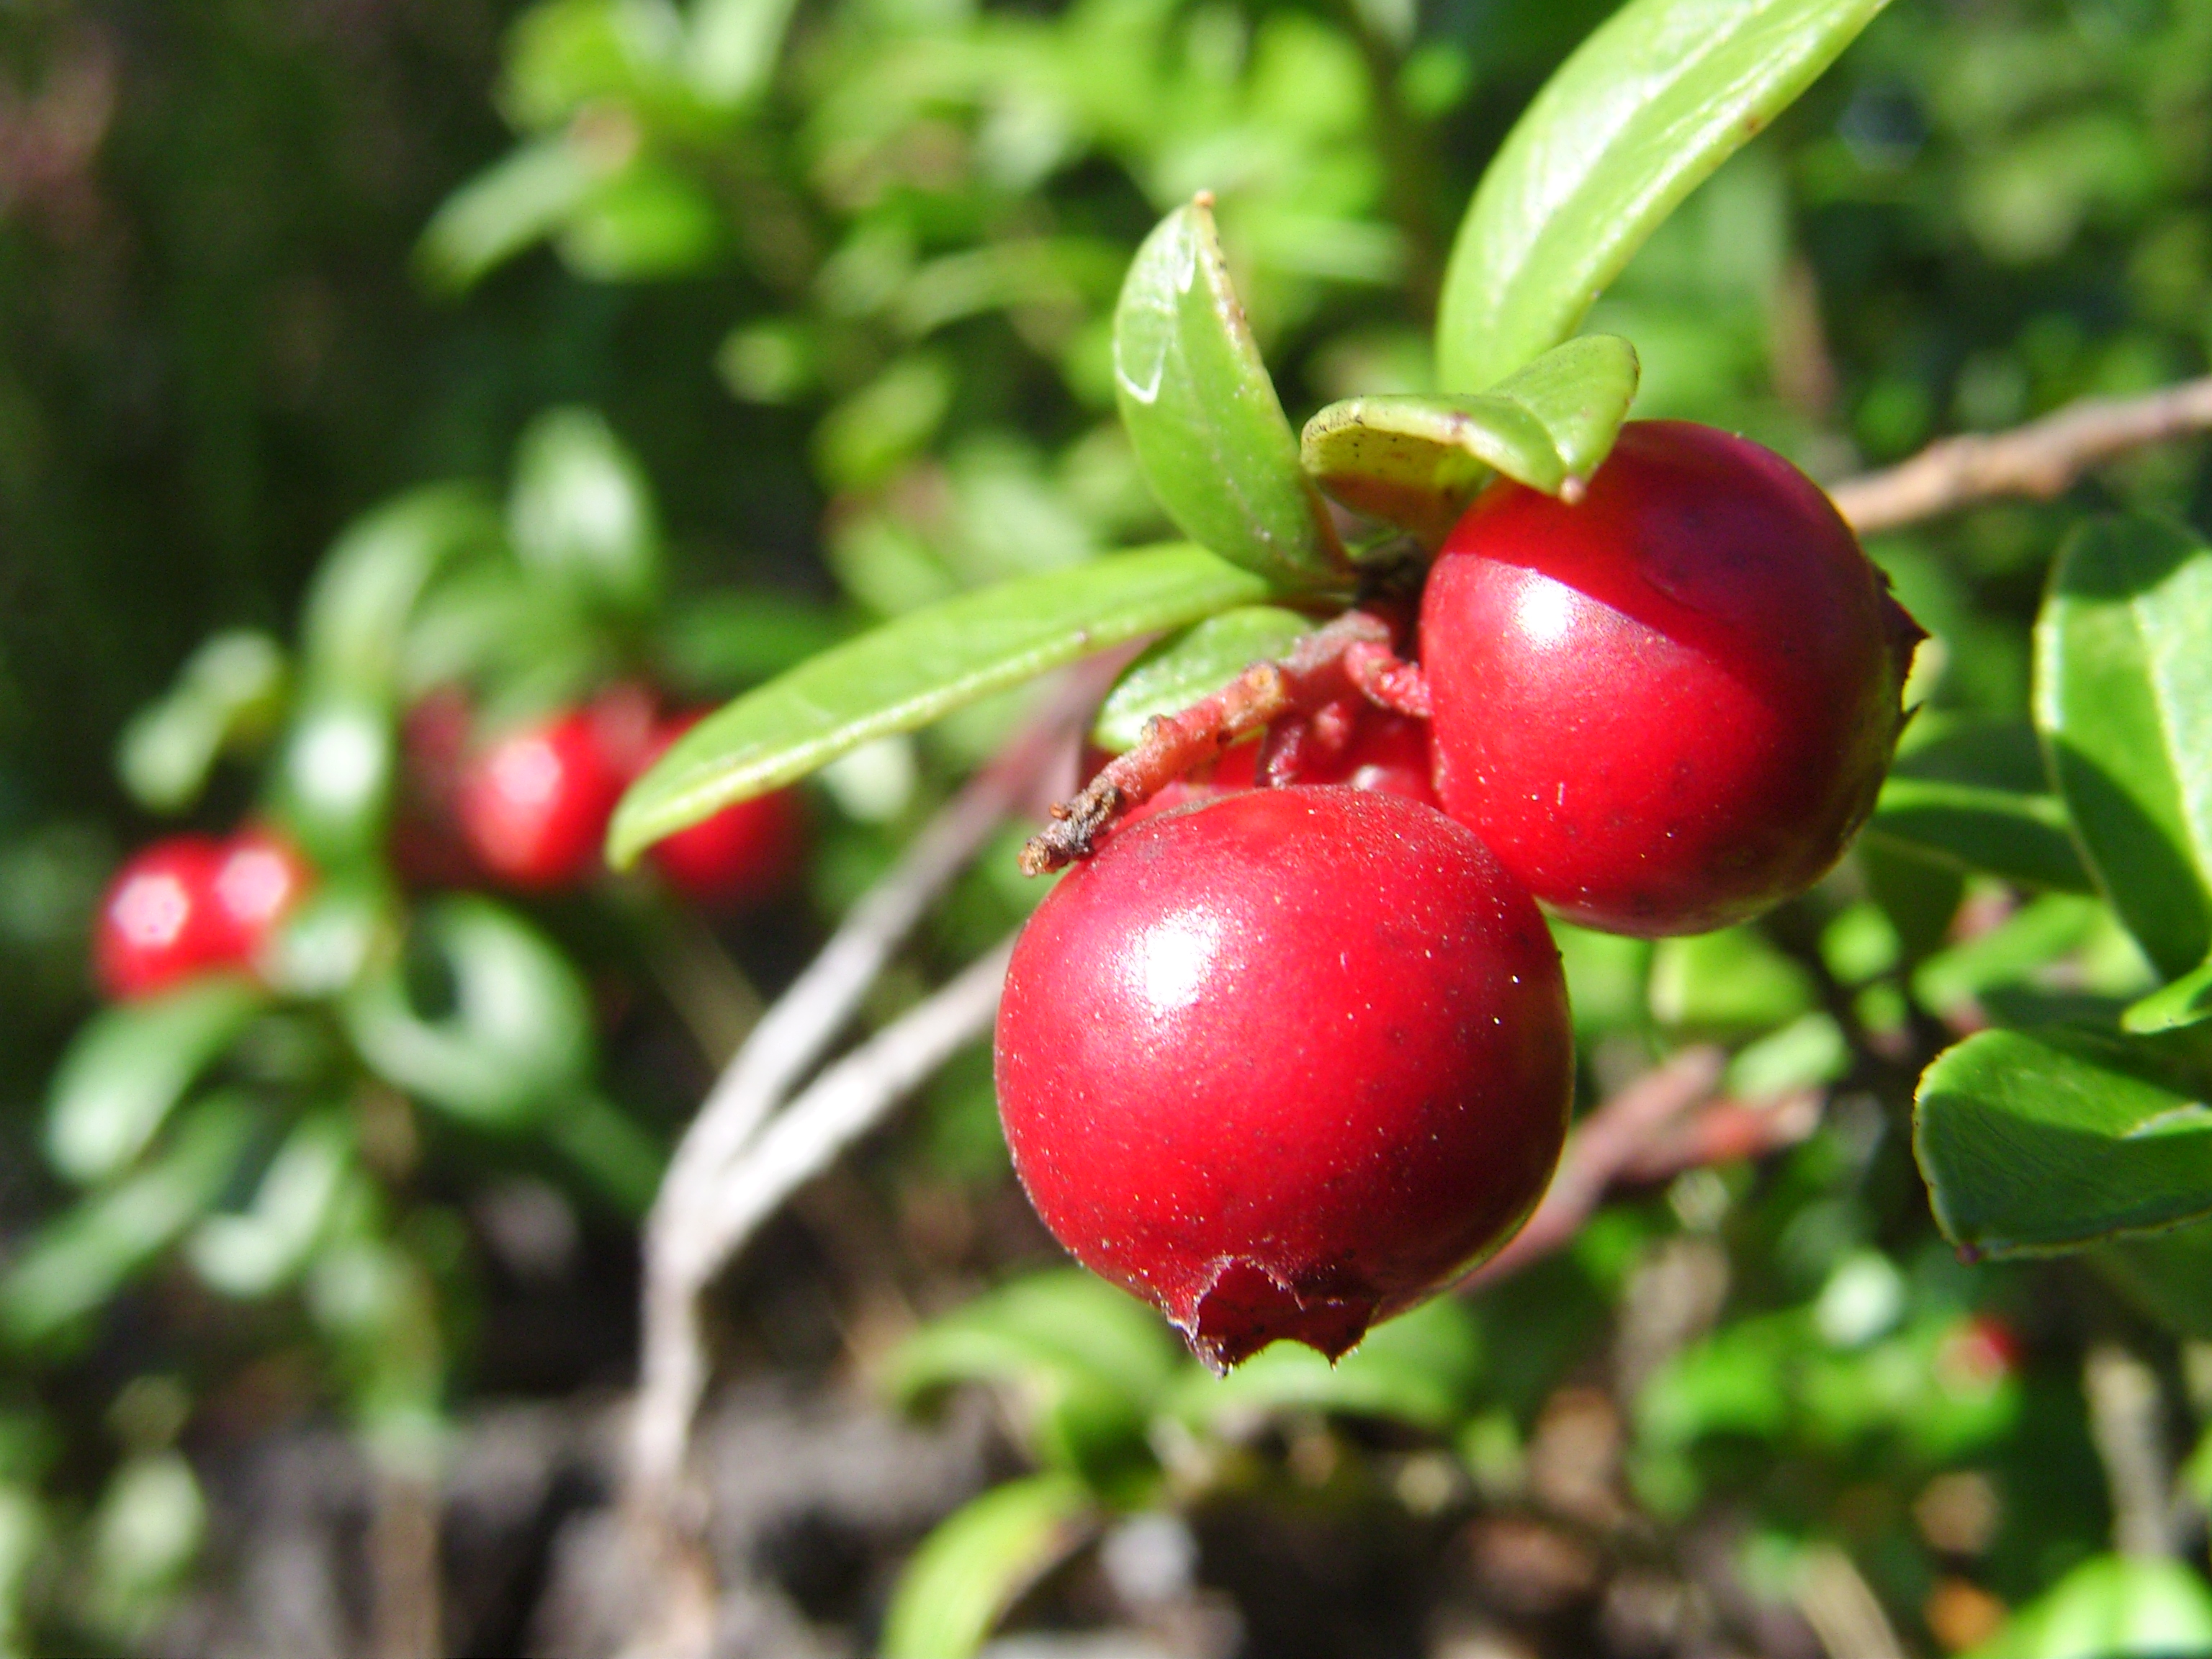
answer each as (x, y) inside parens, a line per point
(1417, 461)
(1975, 796)
(726, 641)
(333, 777)
(2029, 939)
(1178, 671)
(132, 1064)
(365, 592)
(79, 1260)
(646, 223)
(231, 689)
(257, 1251)
(733, 47)
(2116, 1607)
(1641, 113)
(2049, 1141)
(621, 1160)
(969, 1572)
(916, 668)
(1729, 982)
(580, 512)
(1203, 416)
(518, 201)
(2167, 1275)
(2186, 1001)
(1422, 1368)
(2123, 703)
(516, 1038)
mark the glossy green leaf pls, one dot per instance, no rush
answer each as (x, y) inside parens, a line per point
(1203, 416)
(1423, 1368)
(1644, 111)
(969, 1572)
(580, 512)
(516, 1037)
(2049, 1141)
(1178, 671)
(2123, 703)
(357, 611)
(231, 689)
(916, 668)
(1975, 796)
(1417, 461)
(2115, 1606)
(79, 1260)
(132, 1063)
(2186, 1001)
(257, 1250)
(515, 203)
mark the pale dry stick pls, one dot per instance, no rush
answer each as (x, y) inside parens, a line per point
(2127, 1422)
(1841, 1608)
(2038, 460)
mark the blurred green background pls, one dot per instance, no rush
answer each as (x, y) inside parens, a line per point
(838, 276)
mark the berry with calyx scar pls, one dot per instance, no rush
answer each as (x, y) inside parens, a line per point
(1669, 706)
(1284, 1062)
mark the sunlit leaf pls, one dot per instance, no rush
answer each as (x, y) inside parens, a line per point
(1203, 415)
(2115, 1606)
(515, 1037)
(646, 223)
(580, 512)
(132, 1063)
(230, 689)
(77, 1261)
(2123, 703)
(733, 46)
(1975, 797)
(255, 1251)
(1417, 461)
(1422, 1368)
(1643, 112)
(513, 205)
(1178, 671)
(916, 668)
(2048, 1141)
(975, 1565)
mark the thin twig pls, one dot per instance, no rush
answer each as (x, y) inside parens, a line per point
(1841, 1607)
(2038, 460)
(2127, 1423)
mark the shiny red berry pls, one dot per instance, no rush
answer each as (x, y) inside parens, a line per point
(158, 924)
(258, 878)
(737, 857)
(534, 803)
(1669, 706)
(1284, 1062)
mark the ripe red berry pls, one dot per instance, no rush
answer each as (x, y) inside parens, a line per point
(534, 804)
(257, 880)
(158, 924)
(1284, 1062)
(1668, 707)
(741, 854)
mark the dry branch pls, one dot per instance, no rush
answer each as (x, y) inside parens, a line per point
(2039, 460)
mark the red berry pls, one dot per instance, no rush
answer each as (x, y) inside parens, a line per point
(1668, 707)
(741, 854)
(258, 878)
(158, 924)
(534, 805)
(1285, 1063)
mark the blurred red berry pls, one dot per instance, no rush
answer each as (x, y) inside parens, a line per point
(740, 855)
(258, 878)
(158, 923)
(534, 804)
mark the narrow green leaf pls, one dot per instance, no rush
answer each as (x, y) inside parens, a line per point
(969, 1572)
(581, 511)
(1050, 1323)
(259, 1250)
(914, 669)
(733, 46)
(1178, 671)
(231, 689)
(1643, 112)
(2115, 1606)
(132, 1064)
(518, 201)
(2123, 703)
(1203, 416)
(2048, 1141)
(518, 1037)
(2186, 1001)
(1417, 461)
(1422, 1368)
(358, 609)
(1975, 796)
(80, 1259)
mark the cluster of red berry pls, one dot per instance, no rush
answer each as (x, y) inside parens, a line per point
(526, 810)
(1286, 1061)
